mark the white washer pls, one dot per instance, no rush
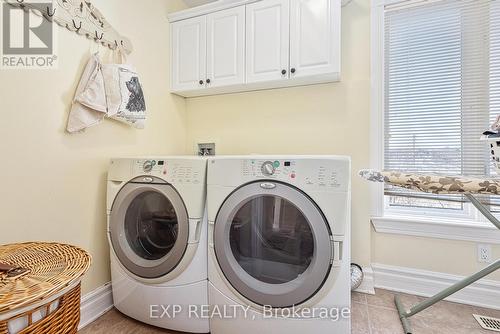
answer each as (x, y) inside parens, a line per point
(279, 231)
(157, 232)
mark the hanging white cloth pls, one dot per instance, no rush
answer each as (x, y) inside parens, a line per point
(124, 95)
(111, 90)
(89, 105)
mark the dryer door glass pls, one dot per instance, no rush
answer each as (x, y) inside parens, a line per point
(271, 239)
(273, 244)
(149, 228)
(151, 225)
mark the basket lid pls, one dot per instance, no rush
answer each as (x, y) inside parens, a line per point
(52, 267)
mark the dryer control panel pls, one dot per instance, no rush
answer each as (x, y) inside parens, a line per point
(291, 171)
(328, 174)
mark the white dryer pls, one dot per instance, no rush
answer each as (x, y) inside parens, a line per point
(157, 232)
(279, 250)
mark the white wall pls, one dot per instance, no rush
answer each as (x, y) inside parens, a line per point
(54, 184)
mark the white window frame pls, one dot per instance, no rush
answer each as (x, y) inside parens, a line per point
(468, 225)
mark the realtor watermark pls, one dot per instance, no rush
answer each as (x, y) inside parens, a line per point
(242, 311)
(28, 38)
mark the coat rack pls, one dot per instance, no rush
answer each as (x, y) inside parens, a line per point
(81, 17)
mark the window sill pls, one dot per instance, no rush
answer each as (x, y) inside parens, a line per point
(441, 228)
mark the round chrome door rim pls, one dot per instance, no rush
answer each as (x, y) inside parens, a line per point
(294, 292)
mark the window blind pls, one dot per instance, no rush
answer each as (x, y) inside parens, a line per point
(442, 85)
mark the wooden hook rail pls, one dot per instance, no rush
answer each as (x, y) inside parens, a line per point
(81, 17)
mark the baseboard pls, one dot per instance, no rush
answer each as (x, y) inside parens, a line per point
(483, 293)
(368, 284)
(95, 303)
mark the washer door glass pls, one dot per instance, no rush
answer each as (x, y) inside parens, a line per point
(273, 244)
(151, 225)
(149, 228)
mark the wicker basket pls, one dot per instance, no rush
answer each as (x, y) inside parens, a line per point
(47, 300)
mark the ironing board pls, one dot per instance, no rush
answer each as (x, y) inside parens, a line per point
(440, 184)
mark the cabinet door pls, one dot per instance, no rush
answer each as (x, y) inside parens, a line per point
(226, 47)
(314, 37)
(267, 30)
(189, 54)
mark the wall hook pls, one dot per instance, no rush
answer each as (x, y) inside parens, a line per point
(74, 25)
(49, 13)
(97, 36)
(79, 16)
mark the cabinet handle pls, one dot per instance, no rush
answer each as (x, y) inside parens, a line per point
(201, 82)
(292, 70)
(283, 72)
(208, 81)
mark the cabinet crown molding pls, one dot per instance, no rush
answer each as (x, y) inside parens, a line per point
(207, 9)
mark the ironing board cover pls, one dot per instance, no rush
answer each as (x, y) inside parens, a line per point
(434, 183)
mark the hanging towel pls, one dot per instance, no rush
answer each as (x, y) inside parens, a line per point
(124, 95)
(94, 94)
(89, 105)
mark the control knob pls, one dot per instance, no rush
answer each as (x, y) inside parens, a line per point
(148, 166)
(268, 168)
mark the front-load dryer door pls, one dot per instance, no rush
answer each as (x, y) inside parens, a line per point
(149, 227)
(273, 244)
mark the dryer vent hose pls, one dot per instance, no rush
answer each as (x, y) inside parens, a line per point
(356, 276)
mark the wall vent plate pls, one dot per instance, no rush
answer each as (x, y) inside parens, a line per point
(206, 149)
(489, 323)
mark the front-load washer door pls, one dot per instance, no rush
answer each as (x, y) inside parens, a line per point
(273, 244)
(149, 227)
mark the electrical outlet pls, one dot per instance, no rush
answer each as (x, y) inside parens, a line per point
(484, 253)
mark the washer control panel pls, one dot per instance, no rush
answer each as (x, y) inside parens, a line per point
(170, 170)
(311, 173)
(147, 166)
(268, 168)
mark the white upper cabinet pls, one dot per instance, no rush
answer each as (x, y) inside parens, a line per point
(314, 37)
(255, 44)
(226, 47)
(267, 40)
(189, 49)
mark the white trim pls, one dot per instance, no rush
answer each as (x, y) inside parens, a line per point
(377, 104)
(206, 9)
(368, 283)
(216, 6)
(434, 228)
(94, 304)
(255, 86)
(483, 293)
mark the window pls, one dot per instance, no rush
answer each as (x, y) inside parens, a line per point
(441, 87)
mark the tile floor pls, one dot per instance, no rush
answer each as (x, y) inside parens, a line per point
(371, 314)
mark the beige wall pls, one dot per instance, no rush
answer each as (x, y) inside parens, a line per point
(326, 119)
(439, 255)
(53, 184)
